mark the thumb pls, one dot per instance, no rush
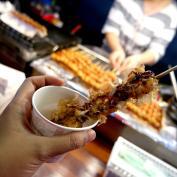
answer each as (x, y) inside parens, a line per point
(52, 146)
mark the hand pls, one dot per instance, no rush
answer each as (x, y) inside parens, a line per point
(130, 62)
(116, 58)
(21, 151)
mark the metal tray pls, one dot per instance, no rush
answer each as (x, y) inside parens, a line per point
(48, 66)
(167, 136)
(42, 46)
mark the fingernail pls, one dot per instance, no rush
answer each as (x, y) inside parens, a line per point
(91, 135)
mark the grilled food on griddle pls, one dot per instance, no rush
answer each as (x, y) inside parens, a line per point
(82, 65)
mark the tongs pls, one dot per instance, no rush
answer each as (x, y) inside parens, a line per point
(162, 74)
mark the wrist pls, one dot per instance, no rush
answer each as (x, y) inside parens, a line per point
(118, 49)
(139, 60)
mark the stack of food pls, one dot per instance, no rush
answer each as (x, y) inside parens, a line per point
(150, 113)
(82, 65)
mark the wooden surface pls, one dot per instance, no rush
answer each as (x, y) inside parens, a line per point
(111, 130)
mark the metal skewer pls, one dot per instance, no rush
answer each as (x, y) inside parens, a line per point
(173, 80)
(166, 72)
(93, 53)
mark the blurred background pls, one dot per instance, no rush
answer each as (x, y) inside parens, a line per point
(85, 19)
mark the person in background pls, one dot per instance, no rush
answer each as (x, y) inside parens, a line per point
(22, 152)
(138, 31)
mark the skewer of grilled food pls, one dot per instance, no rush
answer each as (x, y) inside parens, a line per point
(102, 103)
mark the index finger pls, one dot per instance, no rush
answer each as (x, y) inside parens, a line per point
(31, 84)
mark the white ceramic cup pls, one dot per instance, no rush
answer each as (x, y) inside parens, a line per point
(44, 101)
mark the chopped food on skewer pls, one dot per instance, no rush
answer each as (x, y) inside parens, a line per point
(83, 66)
(74, 113)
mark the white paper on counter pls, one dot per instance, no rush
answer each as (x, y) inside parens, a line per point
(127, 159)
(6, 6)
(10, 81)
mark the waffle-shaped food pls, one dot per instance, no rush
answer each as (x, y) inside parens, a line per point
(151, 113)
(81, 64)
(101, 104)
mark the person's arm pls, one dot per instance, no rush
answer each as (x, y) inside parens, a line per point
(22, 151)
(113, 41)
(111, 29)
(117, 54)
(146, 58)
(155, 51)
(160, 41)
